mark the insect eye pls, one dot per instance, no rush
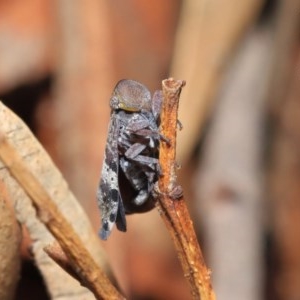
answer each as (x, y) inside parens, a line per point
(114, 102)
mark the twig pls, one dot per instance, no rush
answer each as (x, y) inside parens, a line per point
(58, 255)
(171, 202)
(80, 259)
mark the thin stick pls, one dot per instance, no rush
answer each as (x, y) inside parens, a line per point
(171, 202)
(55, 251)
(80, 259)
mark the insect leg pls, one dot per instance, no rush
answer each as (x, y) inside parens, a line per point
(138, 180)
(134, 150)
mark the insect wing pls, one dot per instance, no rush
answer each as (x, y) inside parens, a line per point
(121, 219)
(108, 194)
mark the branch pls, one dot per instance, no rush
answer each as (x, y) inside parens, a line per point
(172, 204)
(55, 251)
(42, 167)
(80, 259)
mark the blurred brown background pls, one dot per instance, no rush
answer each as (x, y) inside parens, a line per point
(239, 148)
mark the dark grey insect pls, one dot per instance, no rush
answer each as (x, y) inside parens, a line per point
(130, 168)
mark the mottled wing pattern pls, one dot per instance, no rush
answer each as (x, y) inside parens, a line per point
(108, 195)
(131, 167)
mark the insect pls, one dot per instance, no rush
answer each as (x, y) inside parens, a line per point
(130, 168)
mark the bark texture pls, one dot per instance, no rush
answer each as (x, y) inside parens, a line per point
(59, 284)
(10, 241)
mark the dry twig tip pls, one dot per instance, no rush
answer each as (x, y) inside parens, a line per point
(174, 212)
